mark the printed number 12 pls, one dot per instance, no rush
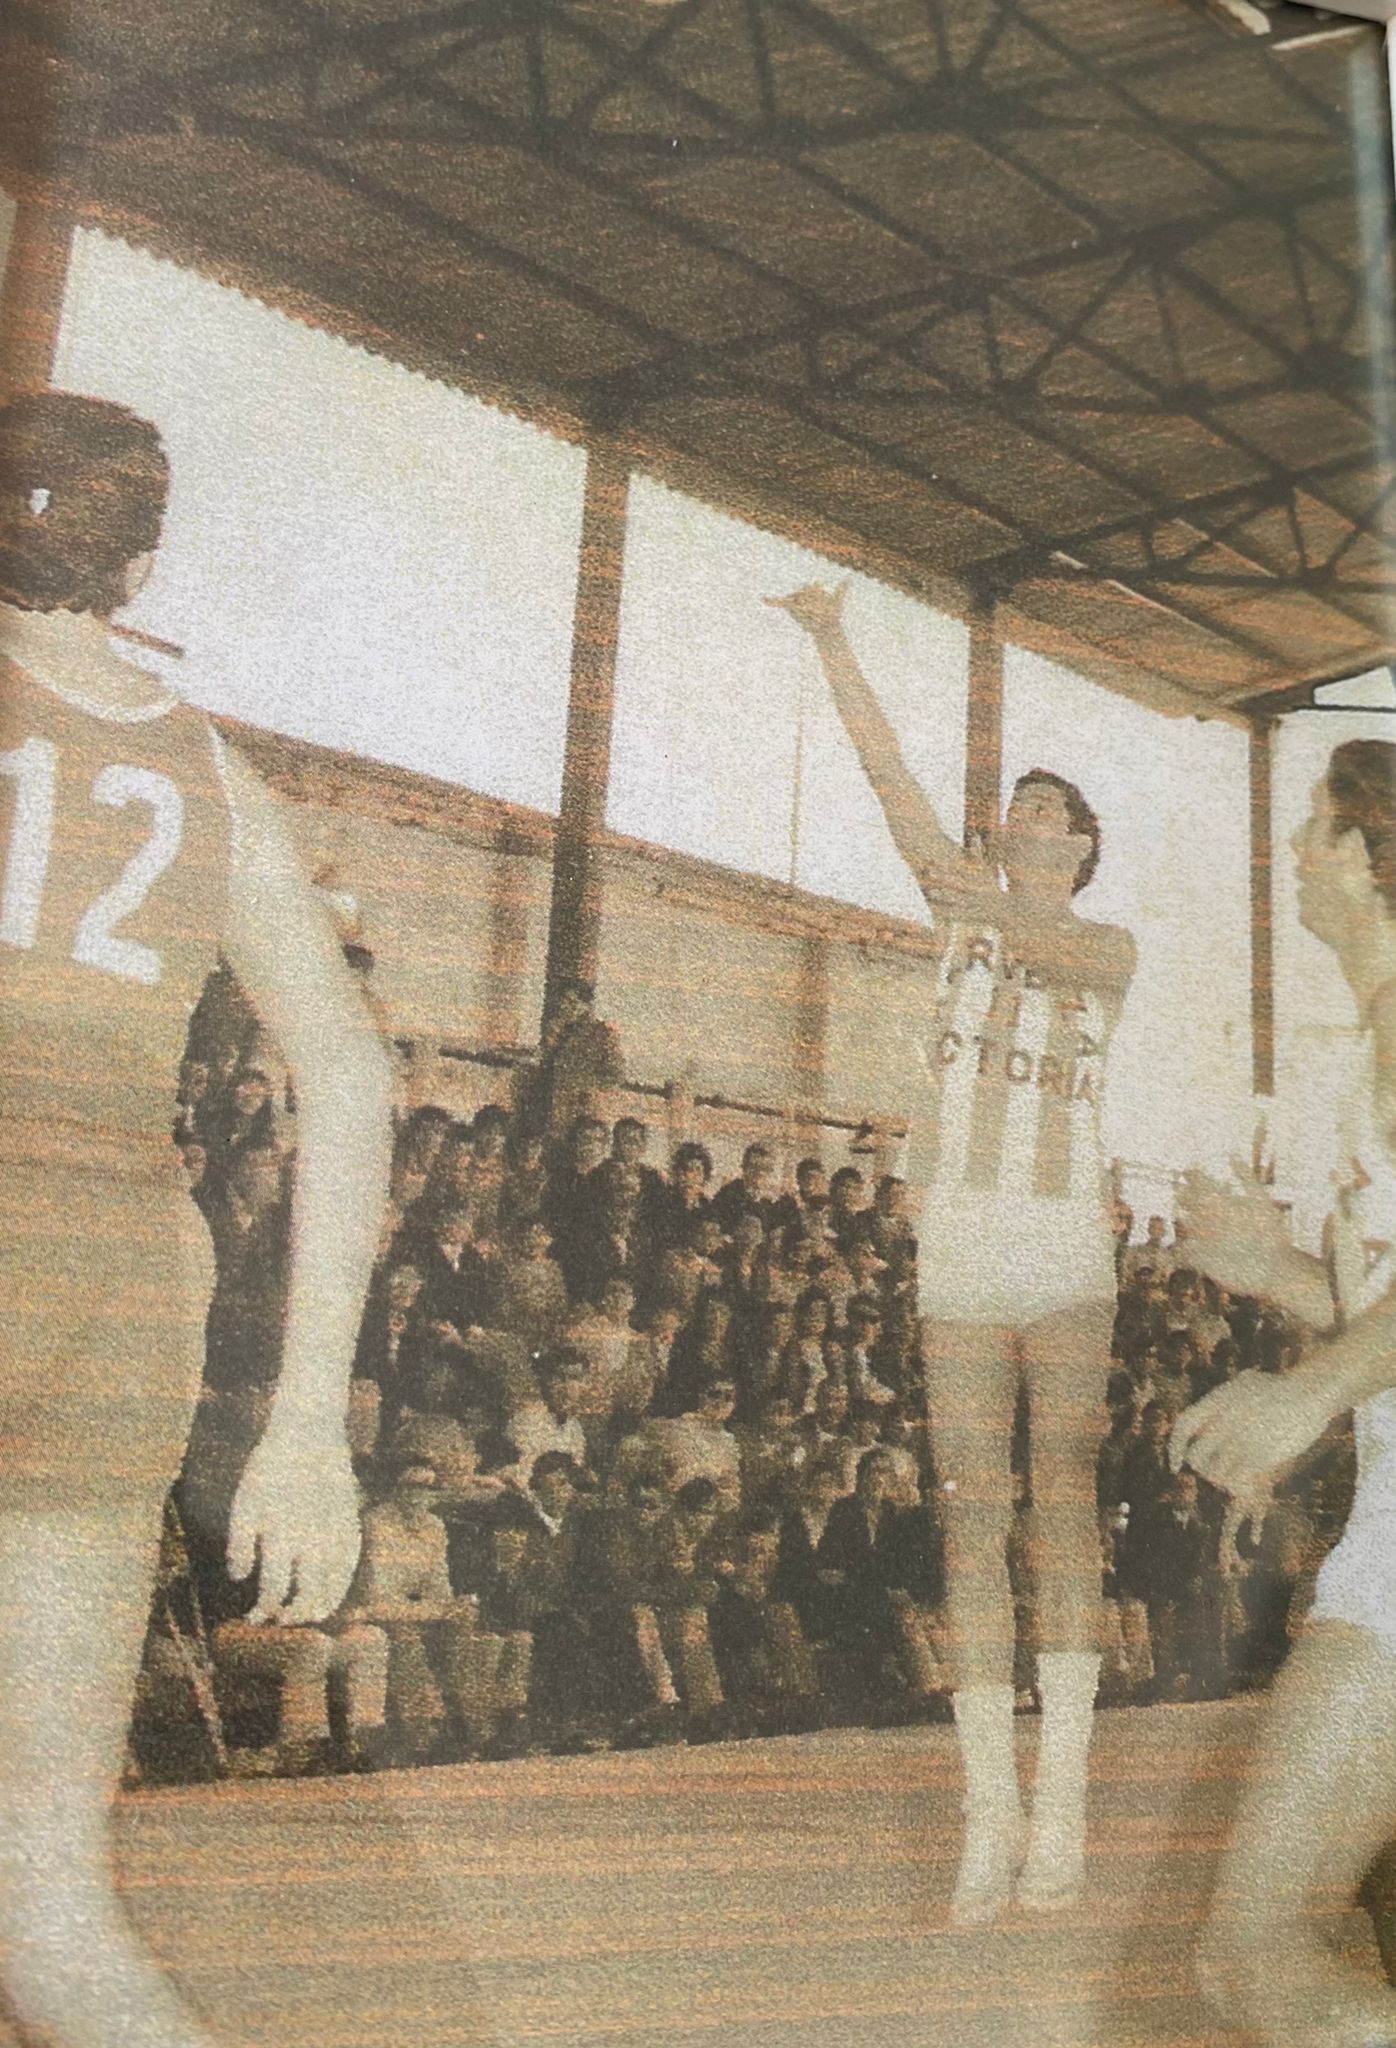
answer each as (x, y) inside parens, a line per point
(34, 767)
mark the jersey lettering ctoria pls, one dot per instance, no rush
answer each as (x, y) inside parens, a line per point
(1005, 1141)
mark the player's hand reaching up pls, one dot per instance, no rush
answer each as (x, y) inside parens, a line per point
(295, 1521)
(816, 608)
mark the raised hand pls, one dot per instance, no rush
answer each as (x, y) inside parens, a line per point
(814, 606)
(1236, 1235)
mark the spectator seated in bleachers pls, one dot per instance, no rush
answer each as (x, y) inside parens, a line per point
(638, 1645)
(630, 1139)
(551, 1421)
(885, 1224)
(883, 1567)
(774, 1453)
(844, 1221)
(808, 1204)
(699, 1444)
(750, 1194)
(318, 1695)
(523, 1198)
(810, 1586)
(403, 1588)
(765, 1665)
(685, 1201)
(562, 1707)
(250, 1220)
(415, 1152)
(525, 1306)
(486, 1172)
(811, 1356)
(860, 1343)
(621, 1365)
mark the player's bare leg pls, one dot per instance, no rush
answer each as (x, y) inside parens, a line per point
(1307, 1832)
(1066, 1363)
(74, 1600)
(971, 1383)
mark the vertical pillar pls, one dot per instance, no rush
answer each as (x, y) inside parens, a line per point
(811, 1028)
(1262, 910)
(984, 726)
(574, 921)
(31, 294)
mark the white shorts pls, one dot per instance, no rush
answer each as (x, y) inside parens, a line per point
(985, 1258)
(1357, 1581)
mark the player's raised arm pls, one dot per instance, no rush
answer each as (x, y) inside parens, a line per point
(297, 1508)
(936, 859)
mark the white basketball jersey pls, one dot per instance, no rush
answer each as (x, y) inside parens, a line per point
(1012, 1080)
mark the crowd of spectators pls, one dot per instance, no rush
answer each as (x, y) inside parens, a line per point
(645, 1451)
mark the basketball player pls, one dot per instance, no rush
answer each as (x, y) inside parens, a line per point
(1324, 1801)
(133, 845)
(1017, 1277)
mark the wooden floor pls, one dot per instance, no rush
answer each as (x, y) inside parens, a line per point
(789, 1894)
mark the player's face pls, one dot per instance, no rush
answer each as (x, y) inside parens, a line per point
(1334, 879)
(1036, 844)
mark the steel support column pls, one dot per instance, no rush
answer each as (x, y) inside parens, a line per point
(574, 922)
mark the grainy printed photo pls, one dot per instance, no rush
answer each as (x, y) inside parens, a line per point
(697, 1025)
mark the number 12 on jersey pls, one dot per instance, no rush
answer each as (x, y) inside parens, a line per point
(34, 770)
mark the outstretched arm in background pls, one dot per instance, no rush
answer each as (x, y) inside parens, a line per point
(936, 860)
(296, 1513)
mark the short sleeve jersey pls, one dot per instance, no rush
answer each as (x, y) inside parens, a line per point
(114, 849)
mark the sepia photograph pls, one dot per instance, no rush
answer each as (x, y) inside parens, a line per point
(697, 1024)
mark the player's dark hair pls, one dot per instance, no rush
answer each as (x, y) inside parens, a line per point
(1362, 792)
(1080, 818)
(83, 485)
